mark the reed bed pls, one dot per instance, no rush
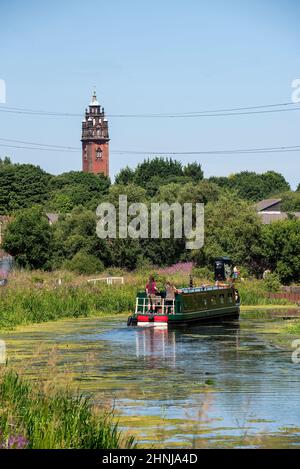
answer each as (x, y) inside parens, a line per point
(32, 419)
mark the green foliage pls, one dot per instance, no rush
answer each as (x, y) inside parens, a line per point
(272, 282)
(162, 167)
(231, 225)
(28, 238)
(193, 171)
(203, 273)
(281, 248)
(22, 186)
(252, 186)
(76, 232)
(55, 420)
(201, 192)
(76, 188)
(34, 303)
(60, 202)
(254, 292)
(290, 202)
(153, 173)
(125, 176)
(232, 229)
(133, 192)
(84, 263)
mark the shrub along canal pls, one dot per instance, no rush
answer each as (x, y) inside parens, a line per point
(209, 386)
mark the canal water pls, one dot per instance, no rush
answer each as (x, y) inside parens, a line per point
(211, 386)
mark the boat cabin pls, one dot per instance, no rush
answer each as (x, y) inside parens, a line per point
(188, 300)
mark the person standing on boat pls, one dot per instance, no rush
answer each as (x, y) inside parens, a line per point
(151, 291)
(170, 296)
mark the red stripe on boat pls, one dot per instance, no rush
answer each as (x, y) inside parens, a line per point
(160, 318)
(143, 318)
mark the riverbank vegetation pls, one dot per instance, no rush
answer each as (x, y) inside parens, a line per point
(38, 296)
(30, 418)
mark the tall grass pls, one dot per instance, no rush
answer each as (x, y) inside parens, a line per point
(253, 292)
(58, 420)
(37, 297)
(23, 305)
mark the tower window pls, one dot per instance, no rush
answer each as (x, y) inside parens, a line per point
(98, 154)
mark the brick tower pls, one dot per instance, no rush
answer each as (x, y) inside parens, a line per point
(95, 139)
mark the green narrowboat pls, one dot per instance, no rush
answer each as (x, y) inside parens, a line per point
(217, 302)
(206, 303)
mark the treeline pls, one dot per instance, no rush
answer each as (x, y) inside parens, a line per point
(232, 226)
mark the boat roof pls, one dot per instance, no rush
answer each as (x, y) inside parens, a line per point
(204, 288)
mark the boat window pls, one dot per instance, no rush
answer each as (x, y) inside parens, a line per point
(230, 297)
(222, 299)
(213, 300)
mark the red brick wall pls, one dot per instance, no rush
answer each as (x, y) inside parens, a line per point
(90, 163)
(293, 297)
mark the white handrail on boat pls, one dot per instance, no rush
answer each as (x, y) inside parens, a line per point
(144, 303)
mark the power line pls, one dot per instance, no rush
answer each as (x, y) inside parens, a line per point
(248, 110)
(37, 148)
(60, 148)
(39, 144)
(293, 148)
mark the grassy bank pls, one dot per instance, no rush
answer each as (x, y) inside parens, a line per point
(39, 296)
(31, 419)
(26, 301)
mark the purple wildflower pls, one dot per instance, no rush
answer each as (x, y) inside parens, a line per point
(184, 268)
(13, 442)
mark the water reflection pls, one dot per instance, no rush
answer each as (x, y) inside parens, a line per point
(155, 342)
(162, 375)
(158, 344)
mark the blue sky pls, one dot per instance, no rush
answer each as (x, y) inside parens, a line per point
(152, 57)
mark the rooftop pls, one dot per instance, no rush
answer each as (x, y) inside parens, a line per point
(266, 203)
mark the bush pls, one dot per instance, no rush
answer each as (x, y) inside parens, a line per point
(272, 282)
(83, 263)
(203, 273)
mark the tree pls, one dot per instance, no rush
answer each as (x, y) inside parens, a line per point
(281, 249)
(125, 176)
(5, 161)
(133, 192)
(202, 192)
(290, 202)
(232, 228)
(76, 232)
(84, 263)
(75, 188)
(252, 186)
(162, 167)
(28, 238)
(274, 182)
(194, 171)
(22, 186)
(60, 202)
